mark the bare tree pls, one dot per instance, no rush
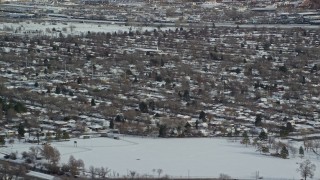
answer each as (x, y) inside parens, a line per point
(132, 174)
(224, 176)
(11, 142)
(34, 152)
(293, 150)
(75, 165)
(159, 171)
(308, 144)
(103, 172)
(316, 144)
(55, 156)
(92, 171)
(52, 154)
(306, 169)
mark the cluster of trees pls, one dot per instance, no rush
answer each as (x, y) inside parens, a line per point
(9, 108)
(11, 171)
(306, 168)
(53, 156)
(74, 166)
(100, 173)
(265, 144)
(61, 135)
(284, 130)
(311, 145)
(157, 174)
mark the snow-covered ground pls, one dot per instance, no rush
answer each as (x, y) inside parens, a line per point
(66, 28)
(198, 157)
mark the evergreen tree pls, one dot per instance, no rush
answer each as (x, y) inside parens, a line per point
(65, 136)
(152, 105)
(245, 139)
(93, 103)
(58, 135)
(258, 120)
(79, 80)
(21, 130)
(163, 130)
(301, 151)
(143, 107)
(2, 141)
(197, 124)
(202, 115)
(263, 136)
(283, 132)
(162, 62)
(58, 90)
(284, 153)
(289, 127)
(186, 95)
(303, 81)
(283, 69)
(111, 125)
(19, 107)
(119, 118)
(48, 90)
(265, 149)
(71, 93)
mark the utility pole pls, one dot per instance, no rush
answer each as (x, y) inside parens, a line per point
(65, 69)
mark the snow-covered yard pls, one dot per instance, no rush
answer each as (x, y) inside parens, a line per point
(198, 157)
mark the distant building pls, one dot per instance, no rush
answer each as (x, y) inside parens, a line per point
(265, 9)
(110, 1)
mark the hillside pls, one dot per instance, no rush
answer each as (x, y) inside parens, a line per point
(313, 4)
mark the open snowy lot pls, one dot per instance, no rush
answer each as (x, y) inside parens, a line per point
(66, 28)
(198, 157)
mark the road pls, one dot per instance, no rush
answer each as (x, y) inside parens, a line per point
(203, 24)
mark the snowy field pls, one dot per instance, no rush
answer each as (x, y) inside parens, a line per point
(196, 157)
(72, 28)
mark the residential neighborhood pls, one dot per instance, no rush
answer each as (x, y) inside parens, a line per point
(170, 69)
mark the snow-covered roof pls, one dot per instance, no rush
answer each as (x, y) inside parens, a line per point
(41, 175)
